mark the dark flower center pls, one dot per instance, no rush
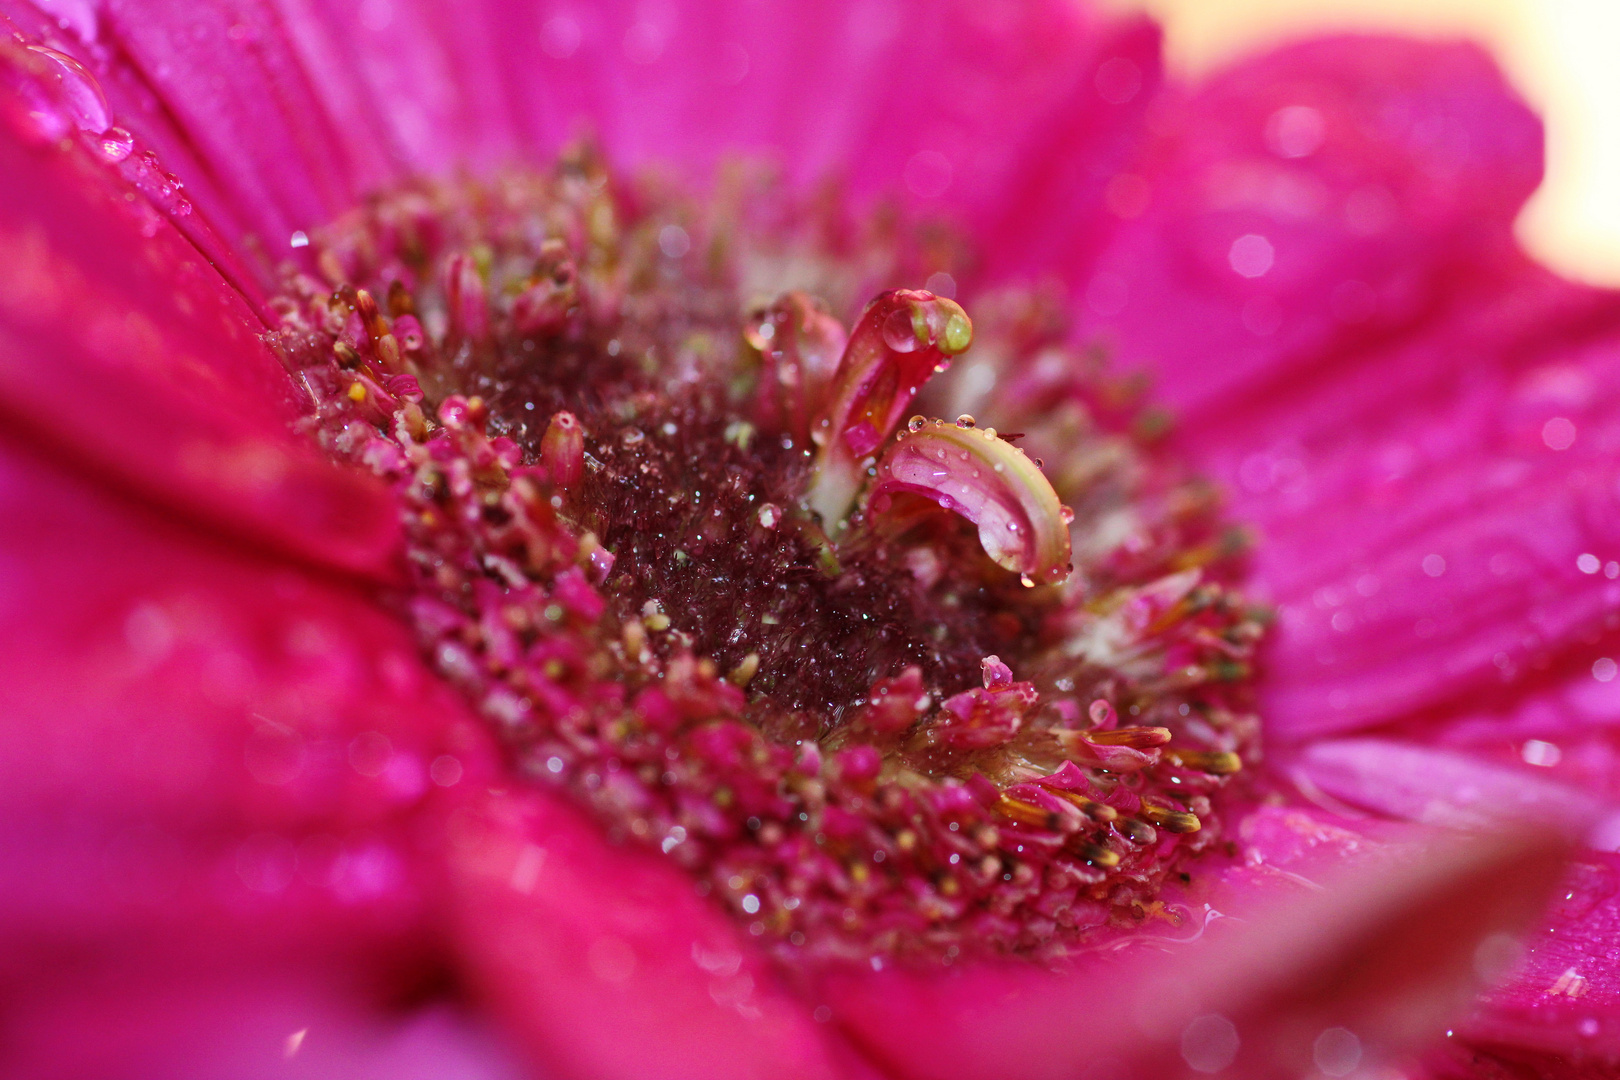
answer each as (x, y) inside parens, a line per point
(866, 678)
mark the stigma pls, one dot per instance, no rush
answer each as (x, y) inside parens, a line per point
(882, 688)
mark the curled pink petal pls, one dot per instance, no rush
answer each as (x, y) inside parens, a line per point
(972, 472)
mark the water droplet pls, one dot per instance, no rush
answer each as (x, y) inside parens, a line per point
(116, 144)
(964, 421)
(769, 515)
(673, 241)
(989, 432)
(916, 423)
(1026, 581)
(1586, 885)
(898, 332)
(81, 95)
(1066, 514)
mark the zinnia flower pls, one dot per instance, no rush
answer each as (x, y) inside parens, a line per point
(477, 596)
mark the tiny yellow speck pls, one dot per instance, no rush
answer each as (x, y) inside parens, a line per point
(357, 392)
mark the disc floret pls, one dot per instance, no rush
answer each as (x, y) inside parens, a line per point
(675, 549)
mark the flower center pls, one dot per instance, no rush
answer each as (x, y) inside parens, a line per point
(868, 680)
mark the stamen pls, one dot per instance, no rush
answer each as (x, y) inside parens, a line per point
(1214, 762)
(1137, 738)
(972, 472)
(550, 294)
(800, 346)
(1082, 748)
(979, 719)
(465, 297)
(1024, 813)
(902, 338)
(1175, 821)
(1096, 811)
(562, 450)
(1097, 855)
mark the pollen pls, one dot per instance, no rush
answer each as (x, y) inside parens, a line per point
(912, 690)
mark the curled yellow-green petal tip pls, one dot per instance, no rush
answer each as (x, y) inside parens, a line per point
(958, 333)
(940, 322)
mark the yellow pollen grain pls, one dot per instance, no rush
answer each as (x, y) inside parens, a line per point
(357, 392)
(744, 672)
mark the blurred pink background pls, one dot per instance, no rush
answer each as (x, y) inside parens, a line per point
(1559, 53)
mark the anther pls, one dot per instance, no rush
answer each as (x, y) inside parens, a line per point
(400, 300)
(1096, 855)
(1214, 762)
(1137, 738)
(1136, 831)
(1024, 813)
(1096, 811)
(1175, 821)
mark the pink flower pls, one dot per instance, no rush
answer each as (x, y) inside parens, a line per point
(251, 828)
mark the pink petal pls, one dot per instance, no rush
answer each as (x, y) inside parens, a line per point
(244, 1026)
(127, 355)
(1437, 515)
(1568, 731)
(284, 113)
(1560, 1012)
(207, 759)
(1382, 952)
(1329, 192)
(1564, 996)
(603, 961)
(1438, 787)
